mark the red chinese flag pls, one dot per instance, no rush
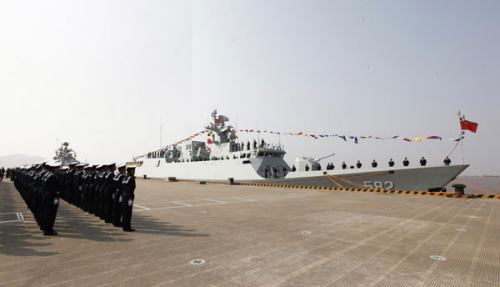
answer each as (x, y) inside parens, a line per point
(466, 125)
(217, 121)
(209, 141)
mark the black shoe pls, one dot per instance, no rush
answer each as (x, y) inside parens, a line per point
(50, 233)
(129, 230)
(117, 225)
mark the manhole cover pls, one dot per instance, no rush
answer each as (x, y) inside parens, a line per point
(438, 258)
(306, 232)
(460, 230)
(197, 261)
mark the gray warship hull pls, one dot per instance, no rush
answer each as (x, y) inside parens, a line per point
(261, 163)
(431, 178)
(418, 178)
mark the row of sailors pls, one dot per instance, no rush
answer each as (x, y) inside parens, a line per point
(406, 162)
(95, 189)
(39, 188)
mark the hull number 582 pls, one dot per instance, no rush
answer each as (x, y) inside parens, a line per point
(386, 185)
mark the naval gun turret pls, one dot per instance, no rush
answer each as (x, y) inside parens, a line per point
(313, 163)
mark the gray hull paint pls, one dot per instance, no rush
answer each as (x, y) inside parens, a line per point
(397, 178)
(405, 178)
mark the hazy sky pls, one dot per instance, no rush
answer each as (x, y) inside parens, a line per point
(104, 75)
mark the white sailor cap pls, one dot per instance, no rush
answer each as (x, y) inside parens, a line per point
(98, 166)
(80, 165)
(111, 164)
(64, 168)
(73, 164)
(121, 165)
(54, 163)
(131, 167)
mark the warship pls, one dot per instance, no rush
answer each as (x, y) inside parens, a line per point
(230, 161)
(65, 155)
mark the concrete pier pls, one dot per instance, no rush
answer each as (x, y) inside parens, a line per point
(189, 234)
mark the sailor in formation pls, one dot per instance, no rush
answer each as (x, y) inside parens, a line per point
(93, 188)
(406, 162)
(50, 199)
(117, 195)
(391, 162)
(128, 196)
(108, 192)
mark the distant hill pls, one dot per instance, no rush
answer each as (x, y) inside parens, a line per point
(18, 159)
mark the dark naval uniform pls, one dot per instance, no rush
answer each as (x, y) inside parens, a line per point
(101, 181)
(406, 162)
(84, 187)
(128, 196)
(97, 191)
(50, 203)
(391, 163)
(117, 199)
(108, 197)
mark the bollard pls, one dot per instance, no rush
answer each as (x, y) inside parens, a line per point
(231, 181)
(459, 188)
(172, 179)
(145, 176)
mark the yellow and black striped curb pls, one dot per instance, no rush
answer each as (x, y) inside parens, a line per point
(208, 182)
(447, 194)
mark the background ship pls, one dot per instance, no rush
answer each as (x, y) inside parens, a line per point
(228, 160)
(65, 155)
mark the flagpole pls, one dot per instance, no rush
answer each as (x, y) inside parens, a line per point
(460, 136)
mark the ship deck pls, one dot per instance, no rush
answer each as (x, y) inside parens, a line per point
(189, 234)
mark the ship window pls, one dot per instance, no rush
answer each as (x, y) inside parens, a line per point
(246, 162)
